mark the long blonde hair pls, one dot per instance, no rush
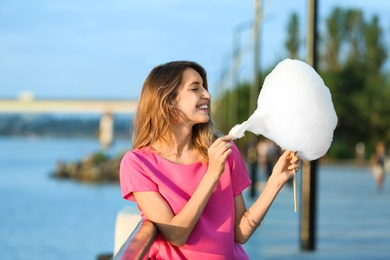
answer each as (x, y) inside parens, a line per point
(154, 116)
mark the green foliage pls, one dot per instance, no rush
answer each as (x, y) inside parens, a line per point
(292, 43)
(376, 52)
(340, 150)
(334, 38)
(224, 117)
(352, 66)
(358, 86)
(99, 157)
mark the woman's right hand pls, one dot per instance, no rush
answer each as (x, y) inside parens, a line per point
(218, 153)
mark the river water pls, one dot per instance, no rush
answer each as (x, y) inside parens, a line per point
(45, 218)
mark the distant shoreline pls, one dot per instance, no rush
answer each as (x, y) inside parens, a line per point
(84, 126)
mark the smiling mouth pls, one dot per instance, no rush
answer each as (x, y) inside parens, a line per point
(203, 107)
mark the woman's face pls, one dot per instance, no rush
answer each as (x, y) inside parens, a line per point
(193, 100)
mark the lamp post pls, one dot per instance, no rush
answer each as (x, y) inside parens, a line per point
(254, 92)
(237, 53)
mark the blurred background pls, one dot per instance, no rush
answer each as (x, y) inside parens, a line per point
(71, 73)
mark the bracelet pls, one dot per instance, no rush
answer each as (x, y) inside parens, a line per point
(251, 222)
(247, 219)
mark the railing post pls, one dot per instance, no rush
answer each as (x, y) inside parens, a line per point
(139, 242)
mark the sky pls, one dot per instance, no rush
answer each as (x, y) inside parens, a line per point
(104, 49)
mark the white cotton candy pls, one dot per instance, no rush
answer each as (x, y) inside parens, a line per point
(295, 110)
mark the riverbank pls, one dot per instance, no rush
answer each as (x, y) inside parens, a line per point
(95, 168)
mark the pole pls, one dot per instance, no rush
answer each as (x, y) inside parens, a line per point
(237, 53)
(309, 169)
(233, 118)
(254, 92)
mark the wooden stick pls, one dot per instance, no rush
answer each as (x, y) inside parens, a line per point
(295, 191)
(295, 187)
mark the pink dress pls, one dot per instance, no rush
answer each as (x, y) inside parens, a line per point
(213, 235)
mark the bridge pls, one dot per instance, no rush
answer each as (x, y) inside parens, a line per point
(27, 104)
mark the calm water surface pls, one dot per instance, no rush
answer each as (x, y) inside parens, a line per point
(44, 218)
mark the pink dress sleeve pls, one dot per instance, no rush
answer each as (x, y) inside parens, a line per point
(133, 176)
(240, 177)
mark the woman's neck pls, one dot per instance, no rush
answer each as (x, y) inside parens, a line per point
(178, 149)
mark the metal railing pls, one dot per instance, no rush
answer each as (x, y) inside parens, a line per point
(139, 241)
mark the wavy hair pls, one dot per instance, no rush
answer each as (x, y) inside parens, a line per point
(154, 116)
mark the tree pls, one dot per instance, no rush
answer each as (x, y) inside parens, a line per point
(221, 116)
(354, 24)
(292, 43)
(376, 92)
(354, 57)
(335, 37)
(376, 52)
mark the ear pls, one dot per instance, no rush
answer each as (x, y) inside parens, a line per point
(172, 104)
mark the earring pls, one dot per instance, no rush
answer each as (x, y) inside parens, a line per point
(175, 120)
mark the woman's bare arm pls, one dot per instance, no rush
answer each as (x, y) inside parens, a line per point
(177, 228)
(248, 220)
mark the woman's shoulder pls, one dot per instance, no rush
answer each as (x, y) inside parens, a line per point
(138, 154)
(235, 148)
(235, 155)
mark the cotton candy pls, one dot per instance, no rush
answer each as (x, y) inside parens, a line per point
(295, 110)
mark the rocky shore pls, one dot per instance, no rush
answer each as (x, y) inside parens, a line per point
(97, 168)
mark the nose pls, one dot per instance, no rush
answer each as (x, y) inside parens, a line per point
(206, 94)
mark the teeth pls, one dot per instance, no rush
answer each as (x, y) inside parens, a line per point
(203, 107)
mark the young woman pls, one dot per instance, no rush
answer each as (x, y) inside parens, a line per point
(377, 163)
(187, 179)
